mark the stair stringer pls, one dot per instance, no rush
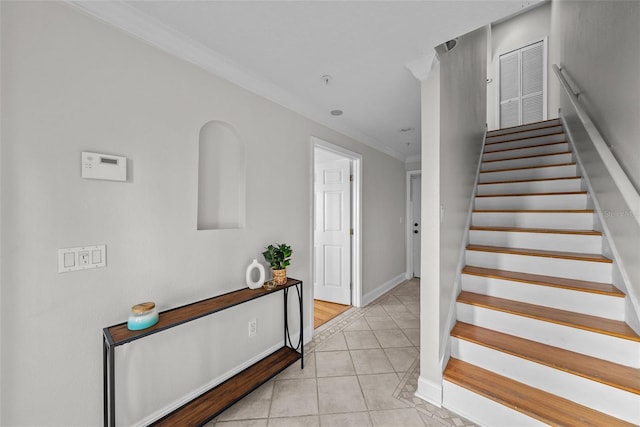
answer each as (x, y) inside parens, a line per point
(620, 277)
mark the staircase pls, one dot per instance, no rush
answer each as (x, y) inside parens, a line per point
(540, 337)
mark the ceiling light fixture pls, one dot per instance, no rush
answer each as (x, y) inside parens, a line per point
(336, 112)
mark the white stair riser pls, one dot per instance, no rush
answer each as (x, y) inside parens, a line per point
(609, 400)
(606, 306)
(527, 134)
(544, 241)
(483, 411)
(527, 161)
(557, 267)
(560, 147)
(527, 187)
(568, 221)
(529, 126)
(616, 350)
(528, 142)
(542, 202)
(532, 173)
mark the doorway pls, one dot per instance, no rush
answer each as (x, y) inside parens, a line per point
(335, 230)
(522, 77)
(414, 229)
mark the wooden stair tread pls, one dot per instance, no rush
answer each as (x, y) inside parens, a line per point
(599, 370)
(587, 211)
(586, 322)
(536, 230)
(530, 180)
(524, 148)
(538, 279)
(559, 193)
(541, 253)
(531, 167)
(533, 156)
(538, 404)
(213, 402)
(545, 124)
(524, 138)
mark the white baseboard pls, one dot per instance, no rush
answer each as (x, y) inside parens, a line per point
(177, 403)
(429, 391)
(371, 296)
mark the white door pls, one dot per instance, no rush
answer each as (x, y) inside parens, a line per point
(415, 223)
(332, 229)
(522, 82)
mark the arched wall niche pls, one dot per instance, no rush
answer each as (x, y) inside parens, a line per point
(221, 177)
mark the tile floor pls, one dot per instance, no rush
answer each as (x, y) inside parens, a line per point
(361, 369)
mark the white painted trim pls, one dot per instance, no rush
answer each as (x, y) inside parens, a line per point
(429, 391)
(409, 238)
(179, 402)
(356, 216)
(414, 158)
(134, 22)
(421, 67)
(626, 286)
(372, 295)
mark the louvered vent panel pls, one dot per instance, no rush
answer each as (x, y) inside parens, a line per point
(532, 109)
(510, 114)
(509, 81)
(532, 72)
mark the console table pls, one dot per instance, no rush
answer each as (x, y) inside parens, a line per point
(211, 403)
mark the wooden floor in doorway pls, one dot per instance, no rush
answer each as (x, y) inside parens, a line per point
(324, 311)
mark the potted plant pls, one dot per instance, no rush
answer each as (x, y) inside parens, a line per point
(278, 257)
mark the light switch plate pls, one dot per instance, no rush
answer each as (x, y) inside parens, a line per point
(82, 258)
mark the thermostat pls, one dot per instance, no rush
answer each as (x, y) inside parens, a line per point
(104, 166)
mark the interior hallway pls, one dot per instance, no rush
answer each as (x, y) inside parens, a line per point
(361, 369)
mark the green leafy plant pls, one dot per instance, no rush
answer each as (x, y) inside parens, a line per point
(278, 256)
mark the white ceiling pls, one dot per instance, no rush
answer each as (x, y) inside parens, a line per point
(281, 49)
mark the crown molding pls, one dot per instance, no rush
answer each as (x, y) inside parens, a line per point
(421, 67)
(137, 24)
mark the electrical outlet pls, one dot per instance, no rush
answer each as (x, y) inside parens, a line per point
(253, 327)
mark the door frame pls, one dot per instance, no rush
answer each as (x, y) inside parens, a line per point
(409, 229)
(545, 82)
(356, 216)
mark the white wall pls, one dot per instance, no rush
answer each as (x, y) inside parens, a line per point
(70, 84)
(598, 44)
(450, 154)
(462, 126)
(519, 31)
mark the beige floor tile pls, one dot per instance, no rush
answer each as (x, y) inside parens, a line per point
(376, 311)
(401, 358)
(340, 394)
(378, 391)
(358, 340)
(406, 299)
(406, 320)
(241, 423)
(408, 417)
(413, 308)
(413, 335)
(392, 338)
(371, 361)
(336, 342)
(311, 421)
(395, 308)
(390, 300)
(377, 323)
(354, 419)
(358, 325)
(294, 398)
(334, 364)
(255, 405)
(294, 370)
